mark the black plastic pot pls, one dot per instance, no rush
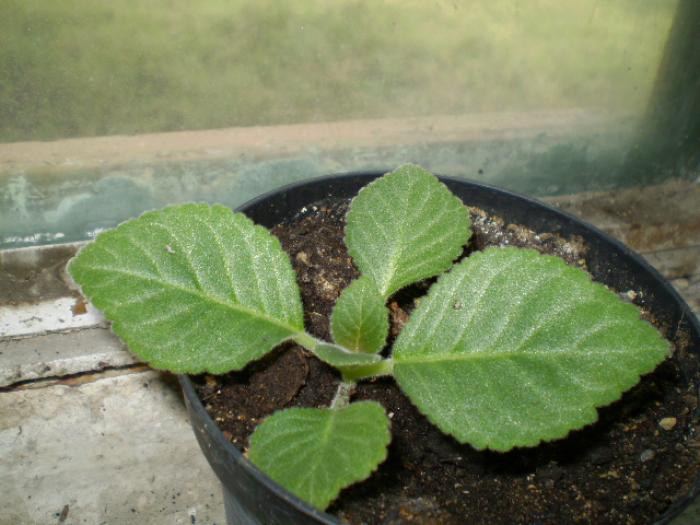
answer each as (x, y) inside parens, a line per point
(252, 498)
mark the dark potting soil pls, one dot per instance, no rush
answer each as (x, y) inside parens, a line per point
(642, 454)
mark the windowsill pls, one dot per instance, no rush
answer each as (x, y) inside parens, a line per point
(65, 190)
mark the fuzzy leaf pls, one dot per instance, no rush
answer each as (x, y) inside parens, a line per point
(315, 452)
(404, 227)
(193, 288)
(512, 347)
(340, 357)
(360, 320)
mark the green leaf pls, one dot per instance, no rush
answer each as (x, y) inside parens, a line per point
(404, 227)
(315, 453)
(339, 357)
(512, 347)
(360, 320)
(193, 288)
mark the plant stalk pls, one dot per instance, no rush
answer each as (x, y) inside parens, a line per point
(385, 367)
(342, 395)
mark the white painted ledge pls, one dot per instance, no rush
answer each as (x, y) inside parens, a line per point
(61, 354)
(48, 316)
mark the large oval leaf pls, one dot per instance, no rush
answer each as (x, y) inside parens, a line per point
(193, 288)
(512, 347)
(404, 227)
(316, 452)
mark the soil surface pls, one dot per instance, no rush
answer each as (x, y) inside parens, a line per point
(626, 469)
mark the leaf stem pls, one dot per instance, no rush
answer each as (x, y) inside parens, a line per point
(353, 372)
(342, 395)
(305, 340)
(385, 367)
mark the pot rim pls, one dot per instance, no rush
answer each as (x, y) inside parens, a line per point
(325, 518)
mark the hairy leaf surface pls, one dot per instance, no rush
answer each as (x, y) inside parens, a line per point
(360, 319)
(512, 347)
(193, 288)
(315, 453)
(404, 227)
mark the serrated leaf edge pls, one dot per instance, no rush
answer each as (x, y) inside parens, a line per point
(384, 454)
(334, 325)
(383, 289)
(116, 327)
(589, 413)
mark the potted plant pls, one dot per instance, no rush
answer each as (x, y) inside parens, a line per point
(508, 349)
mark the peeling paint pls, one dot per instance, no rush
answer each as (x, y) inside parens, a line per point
(46, 317)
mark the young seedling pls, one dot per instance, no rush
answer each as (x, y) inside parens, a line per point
(508, 349)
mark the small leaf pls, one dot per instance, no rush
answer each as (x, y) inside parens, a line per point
(512, 347)
(404, 227)
(315, 452)
(193, 288)
(360, 320)
(340, 357)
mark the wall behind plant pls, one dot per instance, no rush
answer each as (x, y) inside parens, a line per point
(107, 108)
(82, 68)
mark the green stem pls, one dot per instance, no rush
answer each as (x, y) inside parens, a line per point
(351, 373)
(306, 340)
(385, 367)
(342, 395)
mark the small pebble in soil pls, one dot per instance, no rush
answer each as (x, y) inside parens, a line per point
(668, 423)
(646, 455)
